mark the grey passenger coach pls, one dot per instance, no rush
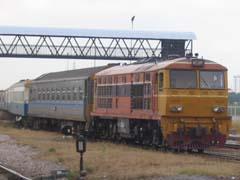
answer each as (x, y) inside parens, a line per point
(62, 100)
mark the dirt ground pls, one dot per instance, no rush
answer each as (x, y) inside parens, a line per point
(105, 160)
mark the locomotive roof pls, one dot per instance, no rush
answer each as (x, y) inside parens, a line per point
(103, 33)
(148, 67)
(83, 73)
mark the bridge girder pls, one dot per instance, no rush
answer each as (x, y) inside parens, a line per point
(89, 47)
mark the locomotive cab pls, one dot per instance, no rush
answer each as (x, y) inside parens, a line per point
(192, 99)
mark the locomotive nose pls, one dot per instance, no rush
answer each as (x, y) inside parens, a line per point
(197, 106)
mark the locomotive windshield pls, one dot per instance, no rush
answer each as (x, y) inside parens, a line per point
(183, 79)
(211, 80)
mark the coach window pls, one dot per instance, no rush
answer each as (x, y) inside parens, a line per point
(33, 95)
(48, 94)
(136, 77)
(74, 94)
(104, 80)
(39, 94)
(99, 91)
(52, 94)
(57, 94)
(80, 93)
(63, 94)
(99, 80)
(109, 80)
(147, 76)
(124, 79)
(115, 79)
(43, 94)
(68, 94)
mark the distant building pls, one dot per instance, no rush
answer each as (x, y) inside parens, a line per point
(236, 84)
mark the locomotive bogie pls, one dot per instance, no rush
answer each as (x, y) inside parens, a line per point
(127, 130)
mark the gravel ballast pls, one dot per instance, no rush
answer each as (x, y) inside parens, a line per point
(21, 158)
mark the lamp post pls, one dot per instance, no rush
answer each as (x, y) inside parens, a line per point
(81, 148)
(132, 21)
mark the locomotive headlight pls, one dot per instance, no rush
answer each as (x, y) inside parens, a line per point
(179, 108)
(218, 109)
(176, 108)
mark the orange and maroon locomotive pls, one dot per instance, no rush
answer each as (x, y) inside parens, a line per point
(179, 103)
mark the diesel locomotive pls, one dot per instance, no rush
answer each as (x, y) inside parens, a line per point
(179, 103)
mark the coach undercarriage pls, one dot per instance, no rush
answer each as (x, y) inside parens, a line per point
(65, 126)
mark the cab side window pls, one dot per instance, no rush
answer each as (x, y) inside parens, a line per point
(160, 83)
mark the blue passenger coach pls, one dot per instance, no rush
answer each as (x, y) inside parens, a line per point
(3, 100)
(17, 97)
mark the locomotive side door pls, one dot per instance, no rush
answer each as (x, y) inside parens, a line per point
(159, 90)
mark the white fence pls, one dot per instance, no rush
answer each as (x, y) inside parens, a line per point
(234, 111)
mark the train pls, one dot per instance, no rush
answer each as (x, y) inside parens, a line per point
(179, 103)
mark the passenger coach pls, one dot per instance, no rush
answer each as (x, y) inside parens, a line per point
(62, 100)
(17, 97)
(3, 101)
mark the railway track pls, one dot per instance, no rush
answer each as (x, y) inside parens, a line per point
(223, 155)
(230, 151)
(8, 173)
(232, 146)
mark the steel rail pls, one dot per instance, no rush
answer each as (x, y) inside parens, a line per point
(232, 146)
(226, 156)
(13, 172)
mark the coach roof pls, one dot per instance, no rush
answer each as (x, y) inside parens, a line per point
(70, 74)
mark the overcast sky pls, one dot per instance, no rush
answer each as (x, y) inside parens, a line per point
(215, 22)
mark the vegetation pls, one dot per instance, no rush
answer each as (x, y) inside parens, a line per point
(114, 161)
(234, 97)
(52, 150)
